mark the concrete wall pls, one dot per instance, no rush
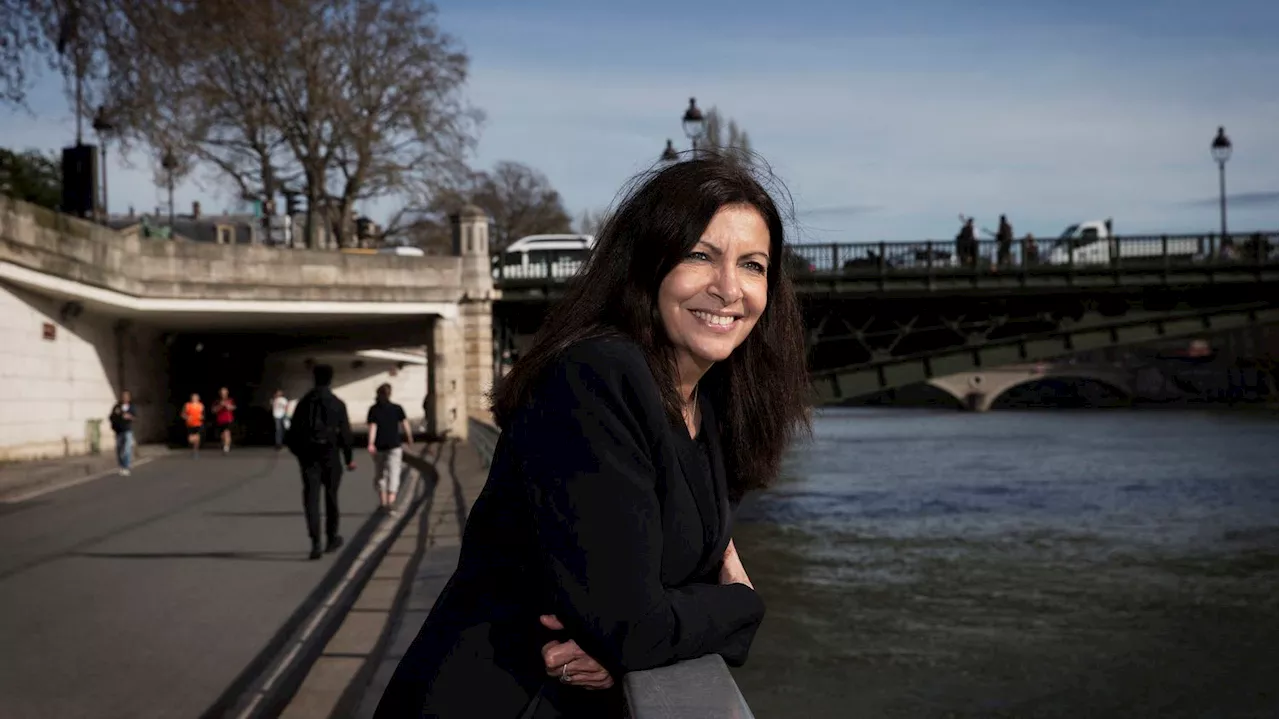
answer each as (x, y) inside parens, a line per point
(354, 386)
(49, 389)
(448, 378)
(44, 241)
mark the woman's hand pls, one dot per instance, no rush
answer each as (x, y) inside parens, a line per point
(567, 662)
(732, 571)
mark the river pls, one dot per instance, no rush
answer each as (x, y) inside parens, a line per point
(1071, 563)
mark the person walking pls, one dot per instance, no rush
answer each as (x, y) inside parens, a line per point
(280, 414)
(122, 424)
(193, 418)
(319, 436)
(389, 433)
(224, 414)
(1004, 242)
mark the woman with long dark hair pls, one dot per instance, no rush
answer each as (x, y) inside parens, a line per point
(666, 383)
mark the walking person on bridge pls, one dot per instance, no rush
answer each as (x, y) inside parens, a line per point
(1004, 243)
(320, 437)
(122, 424)
(666, 384)
(389, 433)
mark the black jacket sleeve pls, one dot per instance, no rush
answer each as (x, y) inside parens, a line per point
(589, 471)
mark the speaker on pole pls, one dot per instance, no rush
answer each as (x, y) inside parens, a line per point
(80, 180)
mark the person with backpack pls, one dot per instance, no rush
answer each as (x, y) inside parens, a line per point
(320, 437)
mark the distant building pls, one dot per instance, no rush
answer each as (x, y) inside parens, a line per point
(240, 228)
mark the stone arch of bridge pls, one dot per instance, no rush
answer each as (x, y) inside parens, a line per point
(978, 391)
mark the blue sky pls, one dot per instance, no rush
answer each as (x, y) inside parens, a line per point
(884, 120)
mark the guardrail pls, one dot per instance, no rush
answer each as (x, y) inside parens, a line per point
(699, 688)
(1023, 255)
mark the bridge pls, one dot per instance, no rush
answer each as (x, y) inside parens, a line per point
(978, 391)
(88, 312)
(884, 315)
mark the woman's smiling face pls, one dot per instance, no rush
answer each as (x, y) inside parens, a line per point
(712, 299)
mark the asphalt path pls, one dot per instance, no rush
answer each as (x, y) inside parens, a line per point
(149, 595)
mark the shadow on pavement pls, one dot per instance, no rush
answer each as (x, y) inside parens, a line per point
(249, 556)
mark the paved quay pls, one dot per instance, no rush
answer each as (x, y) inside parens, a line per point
(348, 677)
(150, 595)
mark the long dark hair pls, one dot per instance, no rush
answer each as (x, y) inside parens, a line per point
(760, 393)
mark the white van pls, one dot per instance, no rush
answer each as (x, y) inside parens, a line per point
(1091, 243)
(542, 257)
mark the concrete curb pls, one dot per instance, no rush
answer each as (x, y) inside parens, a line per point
(268, 683)
(349, 703)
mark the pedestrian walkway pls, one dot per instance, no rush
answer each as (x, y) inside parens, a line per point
(150, 595)
(348, 678)
(28, 479)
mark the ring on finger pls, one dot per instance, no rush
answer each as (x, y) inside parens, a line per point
(564, 673)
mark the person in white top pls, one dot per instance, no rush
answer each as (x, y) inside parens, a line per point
(280, 413)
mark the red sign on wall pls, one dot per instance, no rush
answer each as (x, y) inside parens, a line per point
(50, 331)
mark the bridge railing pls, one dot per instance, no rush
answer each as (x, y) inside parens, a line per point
(699, 688)
(1026, 254)
(943, 256)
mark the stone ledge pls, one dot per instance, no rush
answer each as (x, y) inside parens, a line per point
(44, 241)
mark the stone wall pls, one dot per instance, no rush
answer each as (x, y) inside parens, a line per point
(471, 243)
(73, 249)
(356, 386)
(52, 388)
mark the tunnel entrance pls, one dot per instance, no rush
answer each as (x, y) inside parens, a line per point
(203, 363)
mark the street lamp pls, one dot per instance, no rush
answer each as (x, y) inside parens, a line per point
(670, 154)
(1221, 149)
(694, 124)
(170, 164)
(103, 127)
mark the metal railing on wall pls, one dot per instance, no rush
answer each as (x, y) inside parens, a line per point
(699, 688)
(1135, 252)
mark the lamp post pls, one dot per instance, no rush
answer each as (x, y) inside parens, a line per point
(1221, 149)
(694, 124)
(103, 127)
(670, 154)
(170, 164)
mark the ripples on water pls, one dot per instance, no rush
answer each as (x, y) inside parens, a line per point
(921, 563)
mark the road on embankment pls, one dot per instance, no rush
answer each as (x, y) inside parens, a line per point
(150, 595)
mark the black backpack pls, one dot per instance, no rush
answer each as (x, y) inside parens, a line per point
(318, 433)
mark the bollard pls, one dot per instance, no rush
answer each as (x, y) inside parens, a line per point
(93, 435)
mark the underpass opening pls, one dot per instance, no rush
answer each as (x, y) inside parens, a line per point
(1063, 392)
(253, 362)
(916, 395)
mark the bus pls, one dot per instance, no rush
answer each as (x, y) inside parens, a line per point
(543, 257)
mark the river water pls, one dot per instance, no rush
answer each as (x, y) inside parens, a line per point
(1069, 563)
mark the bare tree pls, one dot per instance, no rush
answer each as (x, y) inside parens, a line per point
(520, 200)
(339, 100)
(28, 38)
(590, 222)
(729, 139)
(401, 122)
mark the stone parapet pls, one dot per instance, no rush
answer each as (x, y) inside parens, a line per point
(45, 241)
